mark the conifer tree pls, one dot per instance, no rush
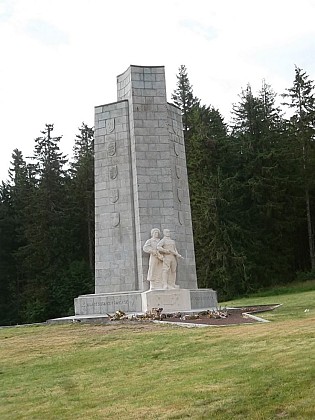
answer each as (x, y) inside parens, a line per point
(83, 189)
(15, 197)
(47, 229)
(260, 187)
(301, 100)
(7, 247)
(46, 218)
(217, 261)
(184, 98)
(20, 194)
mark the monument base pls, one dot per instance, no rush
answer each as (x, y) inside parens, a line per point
(171, 300)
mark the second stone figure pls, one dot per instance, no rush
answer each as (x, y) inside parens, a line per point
(163, 260)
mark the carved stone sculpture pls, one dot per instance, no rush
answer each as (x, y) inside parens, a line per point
(167, 248)
(155, 260)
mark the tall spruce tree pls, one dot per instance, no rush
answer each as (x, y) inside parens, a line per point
(7, 247)
(83, 190)
(260, 187)
(219, 265)
(184, 98)
(16, 194)
(20, 193)
(46, 228)
(301, 127)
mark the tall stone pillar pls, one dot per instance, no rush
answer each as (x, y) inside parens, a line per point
(140, 183)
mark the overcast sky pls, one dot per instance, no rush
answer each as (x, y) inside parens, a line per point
(60, 58)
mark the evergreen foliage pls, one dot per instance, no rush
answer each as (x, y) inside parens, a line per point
(262, 177)
(184, 98)
(45, 263)
(83, 191)
(246, 188)
(216, 259)
(301, 127)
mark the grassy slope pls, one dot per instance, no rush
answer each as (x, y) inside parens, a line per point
(263, 371)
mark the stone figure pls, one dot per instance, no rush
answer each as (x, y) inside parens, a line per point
(167, 248)
(155, 260)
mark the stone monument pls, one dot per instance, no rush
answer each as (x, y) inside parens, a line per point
(141, 188)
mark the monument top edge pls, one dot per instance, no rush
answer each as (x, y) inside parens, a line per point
(112, 103)
(141, 67)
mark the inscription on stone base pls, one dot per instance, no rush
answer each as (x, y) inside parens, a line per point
(203, 298)
(102, 304)
(169, 300)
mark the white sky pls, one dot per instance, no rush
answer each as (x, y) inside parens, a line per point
(60, 58)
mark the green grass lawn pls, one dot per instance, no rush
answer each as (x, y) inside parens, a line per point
(153, 371)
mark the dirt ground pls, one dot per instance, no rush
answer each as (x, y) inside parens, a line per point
(222, 317)
(229, 316)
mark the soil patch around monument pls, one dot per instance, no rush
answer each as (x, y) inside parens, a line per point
(231, 316)
(220, 317)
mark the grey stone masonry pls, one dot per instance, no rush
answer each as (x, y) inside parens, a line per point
(140, 182)
(115, 257)
(136, 301)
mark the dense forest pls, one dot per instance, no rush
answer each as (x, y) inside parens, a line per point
(252, 191)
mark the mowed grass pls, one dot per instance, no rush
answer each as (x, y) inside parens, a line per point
(153, 371)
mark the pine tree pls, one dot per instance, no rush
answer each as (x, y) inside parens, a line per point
(45, 219)
(83, 189)
(302, 128)
(20, 192)
(216, 259)
(47, 229)
(260, 187)
(50, 198)
(15, 198)
(184, 98)
(7, 247)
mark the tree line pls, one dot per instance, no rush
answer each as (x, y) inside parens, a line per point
(252, 186)
(252, 192)
(47, 230)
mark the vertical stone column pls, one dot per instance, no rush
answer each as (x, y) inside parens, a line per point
(115, 256)
(182, 223)
(160, 184)
(140, 182)
(151, 160)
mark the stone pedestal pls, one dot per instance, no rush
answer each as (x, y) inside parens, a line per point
(139, 302)
(169, 300)
(108, 303)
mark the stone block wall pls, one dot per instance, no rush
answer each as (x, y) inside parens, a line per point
(115, 256)
(182, 224)
(139, 158)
